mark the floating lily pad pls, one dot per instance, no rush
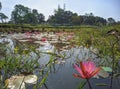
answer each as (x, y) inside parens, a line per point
(108, 69)
(18, 82)
(30, 79)
(103, 74)
(15, 82)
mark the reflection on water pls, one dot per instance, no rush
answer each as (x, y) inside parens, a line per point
(63, 79)
(47, 47)
(60, 76)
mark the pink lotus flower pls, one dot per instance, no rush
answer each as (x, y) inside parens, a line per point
(69, 37)
(28, 34)
(43, 39)
(86, 70)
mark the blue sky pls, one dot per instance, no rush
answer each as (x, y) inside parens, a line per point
(102, 8)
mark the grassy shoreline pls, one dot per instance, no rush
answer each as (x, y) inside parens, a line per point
(43, 28)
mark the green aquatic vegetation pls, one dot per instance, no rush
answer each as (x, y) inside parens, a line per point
(107, 49)
(18, 62)
(20, 59)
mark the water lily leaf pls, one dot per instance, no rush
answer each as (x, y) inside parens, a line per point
(15, 82)
(101, 84)
(108, 69)
(18, 82)
(103, 74)
(30, 79)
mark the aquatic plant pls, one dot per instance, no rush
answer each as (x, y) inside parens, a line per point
(86, 70)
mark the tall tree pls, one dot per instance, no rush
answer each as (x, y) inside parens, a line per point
(22, 14)
(29, 18)
(0, 5)
(60, 17)
(75, 20)
(3, 17)
(35, 15)
(111, 20)
(41, 18)
(18, 13)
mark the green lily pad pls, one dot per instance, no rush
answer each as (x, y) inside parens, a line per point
(103, 74)
(30, 79)
(18, 82)
(15, 82)
(108, 69)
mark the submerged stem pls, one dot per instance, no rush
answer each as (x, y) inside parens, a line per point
(89, 83)
(113, 61)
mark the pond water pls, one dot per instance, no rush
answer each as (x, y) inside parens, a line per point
(61, 74)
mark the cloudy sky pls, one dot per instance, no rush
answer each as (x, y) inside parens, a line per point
(102, 8)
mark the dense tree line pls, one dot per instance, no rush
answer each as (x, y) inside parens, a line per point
(3, 17)
(25, 15)
(62, 17)
(22, 14)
